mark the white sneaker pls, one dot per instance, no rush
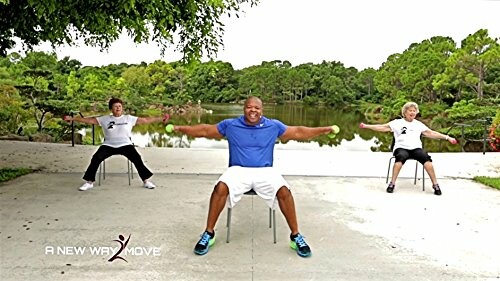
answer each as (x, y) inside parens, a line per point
(86, 186)
(149, 184)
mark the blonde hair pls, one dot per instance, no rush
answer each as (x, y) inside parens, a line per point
(407, 106)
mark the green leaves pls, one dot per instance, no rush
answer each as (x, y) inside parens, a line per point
(196, 23)
(471, 109)
(411, 73)
(434, 73)
(468, 67)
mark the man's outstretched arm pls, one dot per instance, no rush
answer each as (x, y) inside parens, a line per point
(200, 131)
(304, 133)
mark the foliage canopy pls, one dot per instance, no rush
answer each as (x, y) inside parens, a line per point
(197, 23)
(452, 84)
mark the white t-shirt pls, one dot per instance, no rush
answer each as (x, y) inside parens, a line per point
(407, 134)
(117, 130)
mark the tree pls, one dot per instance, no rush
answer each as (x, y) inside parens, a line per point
(471, 63)
(67, 65)
(100, 22)
(305, 71)
(138, 82)
(409, 76)
(365, 85)
(39, 88)
(12, 113)
(159, 73)
(212, 81)
(492, 80)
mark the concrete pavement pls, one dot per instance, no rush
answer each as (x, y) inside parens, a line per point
(51, 231)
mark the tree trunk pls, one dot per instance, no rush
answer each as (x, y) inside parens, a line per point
(480, 83)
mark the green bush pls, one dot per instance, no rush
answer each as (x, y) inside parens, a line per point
(432, 109)
(471, 110)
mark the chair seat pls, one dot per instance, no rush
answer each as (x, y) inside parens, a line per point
(250, 192)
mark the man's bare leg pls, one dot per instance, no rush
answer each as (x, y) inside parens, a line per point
(287, 206)
(217, 204)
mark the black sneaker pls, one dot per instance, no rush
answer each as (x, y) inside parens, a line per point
(437, 190)
(206, 241)
(390, 188)
(299, 244)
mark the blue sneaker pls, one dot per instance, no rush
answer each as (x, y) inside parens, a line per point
(206, 241)
(299, 244)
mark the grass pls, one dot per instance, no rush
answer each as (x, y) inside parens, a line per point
(7, 174)
(489, 181)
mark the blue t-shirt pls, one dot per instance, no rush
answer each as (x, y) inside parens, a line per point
(251, 145)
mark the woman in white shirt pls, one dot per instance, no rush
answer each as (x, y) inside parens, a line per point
(117, 130)
(407, 143)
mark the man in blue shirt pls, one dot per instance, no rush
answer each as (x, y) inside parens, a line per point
(251, 140)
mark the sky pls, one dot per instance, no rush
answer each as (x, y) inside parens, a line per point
(357, 33)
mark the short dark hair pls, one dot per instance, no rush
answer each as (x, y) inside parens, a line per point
(113, 101)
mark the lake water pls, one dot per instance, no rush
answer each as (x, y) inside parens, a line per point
(350, 138)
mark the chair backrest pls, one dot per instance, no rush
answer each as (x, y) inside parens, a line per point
(393, 142)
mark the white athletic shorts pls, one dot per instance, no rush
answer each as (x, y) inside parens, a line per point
(265, 181)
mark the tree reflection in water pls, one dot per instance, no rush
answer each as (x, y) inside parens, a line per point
(350, 137)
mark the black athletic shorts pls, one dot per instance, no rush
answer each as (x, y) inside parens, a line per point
(418, 154)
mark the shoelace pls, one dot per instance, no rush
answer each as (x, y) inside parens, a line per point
(436, 187)
(299, 240)
(204, 239)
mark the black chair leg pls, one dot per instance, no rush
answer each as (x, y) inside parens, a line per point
(423, 178)
(416, 170)
(130, 171)
(274, 225)
(102, 171)
(99, 176)
(228, 224)
(270, 218)
(389, 169)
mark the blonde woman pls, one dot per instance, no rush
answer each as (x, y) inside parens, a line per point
(407, 143)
